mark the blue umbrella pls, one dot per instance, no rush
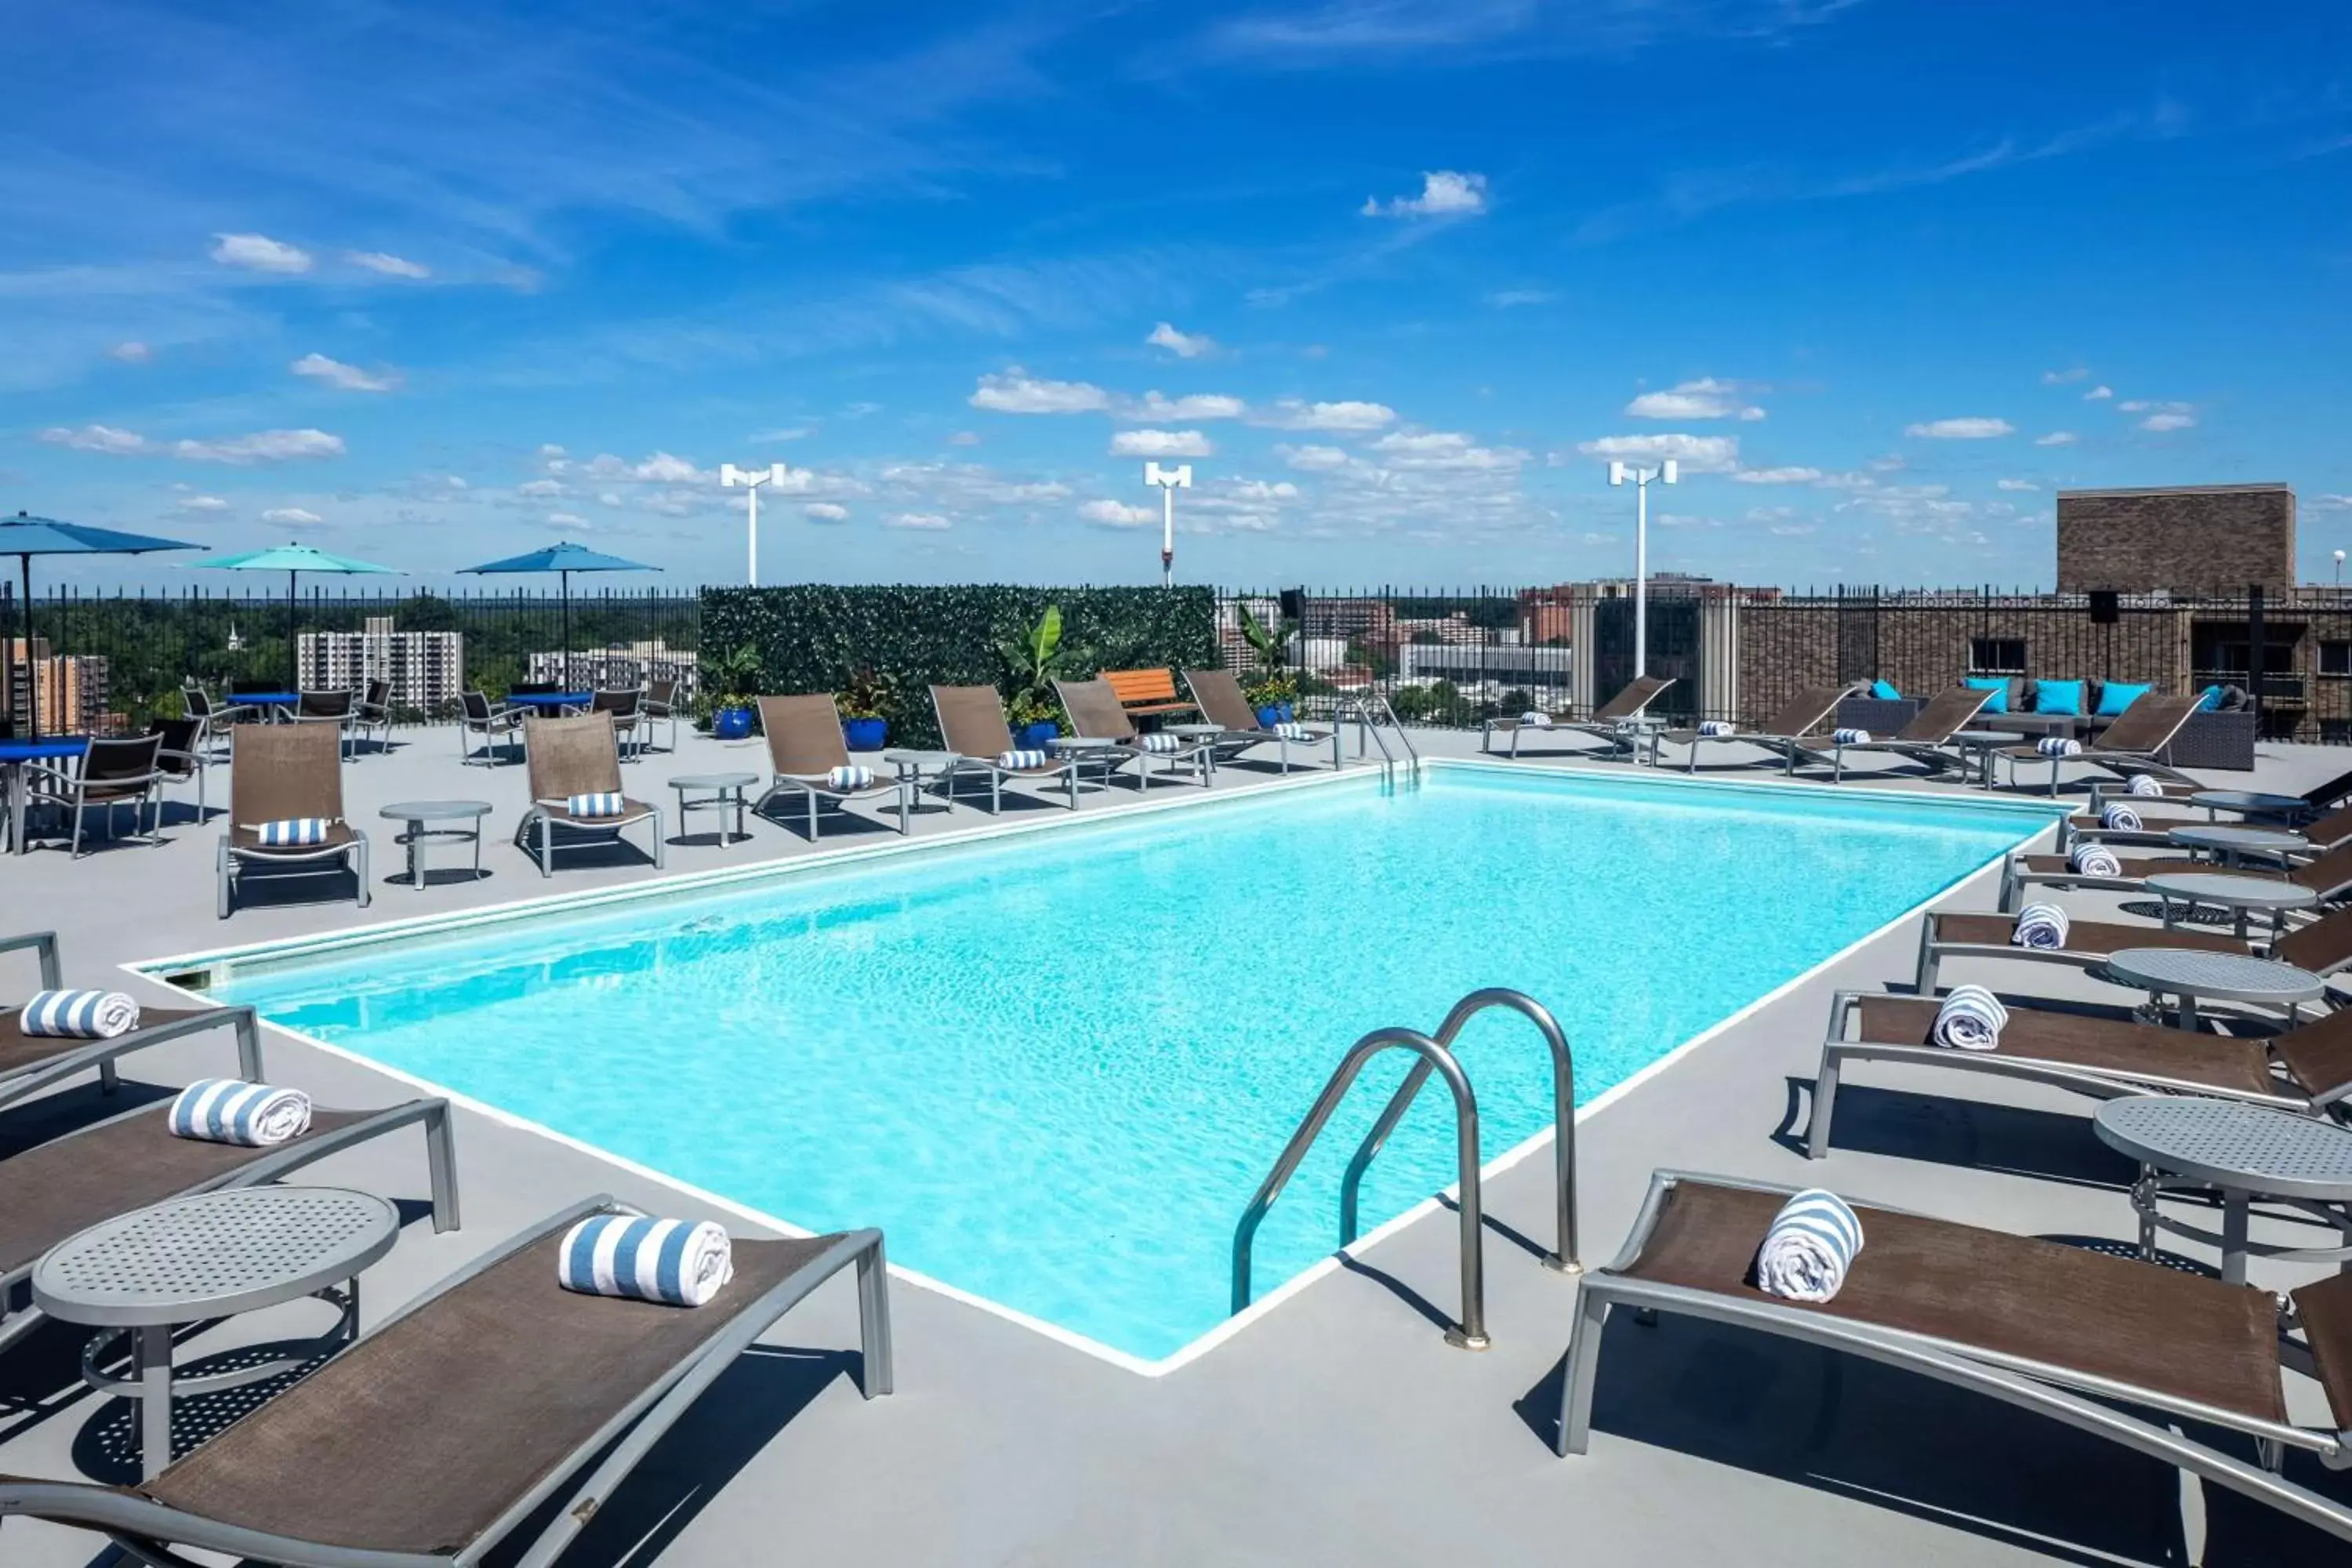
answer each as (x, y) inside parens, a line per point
(291, 558)
(563, 558)
(24, 537)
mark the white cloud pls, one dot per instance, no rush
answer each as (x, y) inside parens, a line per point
(1971, 428)
(1512, 299)
(261, 447)
(1294, 413)
(2099, 394)
(95, 438)
(2332, 503)
(292, 517)
(789, 432)
(2161, 423)
(964, 438)
(540, 488)
(930, 521)
(202, 503)
(2015, 485)
(1193, 405)
(1117, 514)
(1787, 476)
(1699, 454)
(550, 450)
(1017, 392)
(1162, 444)
(1313, 459)
(1706, 398)
(661, 468)
(259, 253)
(566, 519)
(1444, 194)
(2161, 417)
(1183, 345)
(2061, 377)
(1444, 450)
(826, 512)
(1262, 490)
(389, 265)
(131, 352)
(2057, 438)
(335, 373)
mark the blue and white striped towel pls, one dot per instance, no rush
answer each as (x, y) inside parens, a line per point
(607, 803)
(2144, 786)
(293, 832)
(2043, 926)
(1717, 727)
(1162, 743)
(2058, 746)
(1810, 1246)
(1290, 731)
(1016, 760)
(676, 1262)
(1851, 737)
(2120, 818)
(1531, 719)
(1971, 1020)
(2095, 860)
(79, 1014)
(230, 1110)
(848, 777)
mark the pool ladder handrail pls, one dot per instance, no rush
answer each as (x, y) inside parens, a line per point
(1368, 711)
(1436, 1057)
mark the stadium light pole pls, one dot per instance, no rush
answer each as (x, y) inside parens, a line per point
(749, 480)
(1618, 475)
(1170, 481)
(2339, 571)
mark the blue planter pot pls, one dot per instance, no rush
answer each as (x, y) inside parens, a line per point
(865, 734)
(731, 723)
(1036, 737)
(1274, 713)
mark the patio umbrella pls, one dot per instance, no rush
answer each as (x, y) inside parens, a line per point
(24, 537)
(563, 558)
(293, 559)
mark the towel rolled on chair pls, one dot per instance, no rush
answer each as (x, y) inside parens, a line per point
(79, 1014)
(1019, 759)
(607, 803)
(230, 1110)
(2092, 859)
(2120, 818)
(1290, 730)
(1530, 719)
(1971, 1020)
(1811, 1244)
(2144, 786)
(675, 1262)
(293, 832)
(1717, 727)
(2043, 926)
(2059, 746)
(1162, 743)
(849, 777)
(1851, 737)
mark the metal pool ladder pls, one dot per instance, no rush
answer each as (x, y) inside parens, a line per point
(1370, 712)
(1437, 1057)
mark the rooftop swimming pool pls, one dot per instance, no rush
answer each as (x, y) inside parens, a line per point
(1053, 1066)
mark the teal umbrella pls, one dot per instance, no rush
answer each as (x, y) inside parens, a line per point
(293, 560)
(564, 559)
(24, 537)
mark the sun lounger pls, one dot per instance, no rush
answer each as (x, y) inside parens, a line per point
(283, 773)
(805, 747)
(2321, 947)
(2324, 832)
(1096, 714)
(1223, 704)
(2084, 1337)
(30, 1063)
(2132, 744)
(1796, 730)
(1922, 741)
(972, 722)
(1610, 721)
(2329, 876)
(59, 1188)
(569, 758)
(498, 1402)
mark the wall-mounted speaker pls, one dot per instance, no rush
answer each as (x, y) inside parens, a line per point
(2106, 606)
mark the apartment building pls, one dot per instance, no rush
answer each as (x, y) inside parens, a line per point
(425, 669)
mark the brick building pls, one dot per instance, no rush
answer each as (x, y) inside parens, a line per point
(2179, 539)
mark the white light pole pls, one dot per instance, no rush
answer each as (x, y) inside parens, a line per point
(750, 480)
(2339, 571)
(1618, 474)
(1170, 481)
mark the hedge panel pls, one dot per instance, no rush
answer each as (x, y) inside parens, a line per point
(810, 637)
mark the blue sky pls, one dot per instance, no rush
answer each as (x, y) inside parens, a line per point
(430, 283)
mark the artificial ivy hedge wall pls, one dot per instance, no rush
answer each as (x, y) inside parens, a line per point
(810, 639)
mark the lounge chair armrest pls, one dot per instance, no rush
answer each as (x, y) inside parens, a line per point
(45, 944)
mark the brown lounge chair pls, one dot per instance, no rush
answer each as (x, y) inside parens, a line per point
(277, 773)
(1797, 730)
(2306, 1070)
(57, 1189)
(1096, 714)
(2323, 832)
(2329, 876)
(2078, 1335)
(1223, 704)
(2133, 743)
(578, 755)
(804, 744)
(468, 1414)
(972, 722)
(1922, 741)
(2323, 947)
(1608, 721)
(30, 1063)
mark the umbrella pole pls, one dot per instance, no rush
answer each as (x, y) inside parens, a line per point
(565, 578)
(32, 682)
(293, 658)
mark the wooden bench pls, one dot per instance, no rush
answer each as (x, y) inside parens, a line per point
(1143, 692)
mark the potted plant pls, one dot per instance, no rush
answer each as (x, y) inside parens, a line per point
(1271, 689)
(865, 701)
(1030, 662)
(732, 680)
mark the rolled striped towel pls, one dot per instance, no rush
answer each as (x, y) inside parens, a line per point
(2144, 786)
(1971, 1020)
(293, 831)
(848, 777)
(1531, 719)
(1810, 1246)
(1851, 737)
(1717, 727)
(1016, 760)
(605, 802)
(79, 1014)
(2058, 746)
(2043, 926)
(2120, 818)
(230, 1110)
(2095, 860)
(1290, 730)
(675, 1262)
(1162, 743)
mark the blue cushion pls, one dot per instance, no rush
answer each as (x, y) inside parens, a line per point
(2115, 696)
(2058, 696)
(2212, 703)
(1998, 701)
(1885, 691)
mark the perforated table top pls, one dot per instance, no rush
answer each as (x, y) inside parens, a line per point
(213, 1255)
(2234, 891)
(2232, 836)
(2229, 976)
(2247, 1147)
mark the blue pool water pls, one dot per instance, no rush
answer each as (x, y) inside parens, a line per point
(1053, 1069)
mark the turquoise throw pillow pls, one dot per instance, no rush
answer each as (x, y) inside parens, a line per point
(2212, 703)
(2058, 696)
(1998, 701)
(2116, 696)
(1885, 691)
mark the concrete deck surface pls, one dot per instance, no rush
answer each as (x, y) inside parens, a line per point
(1338, 1427)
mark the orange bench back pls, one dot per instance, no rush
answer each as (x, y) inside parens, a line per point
(1140, 685)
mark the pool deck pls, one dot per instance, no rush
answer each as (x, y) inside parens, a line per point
(1338, 1427)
